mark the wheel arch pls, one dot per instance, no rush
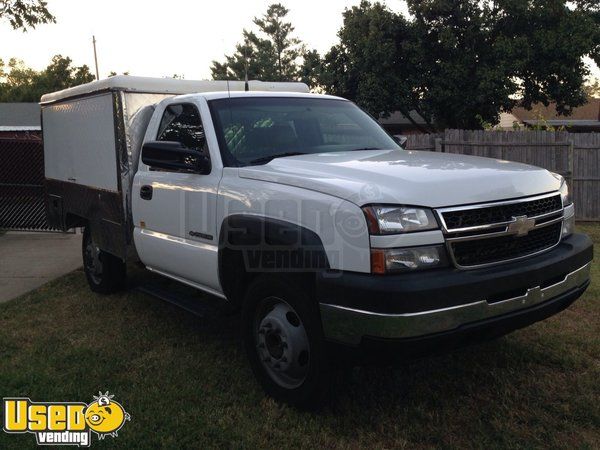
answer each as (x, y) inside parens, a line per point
(252, 245)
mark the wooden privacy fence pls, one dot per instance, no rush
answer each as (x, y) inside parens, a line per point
(574, 155)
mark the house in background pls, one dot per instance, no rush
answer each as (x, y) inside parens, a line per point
(20, 121)
(584, 119)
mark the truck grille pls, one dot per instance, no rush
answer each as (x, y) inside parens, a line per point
(488, 234)
(501, 213)
(485, 251)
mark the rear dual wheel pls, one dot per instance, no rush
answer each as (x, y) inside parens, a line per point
(284, 341)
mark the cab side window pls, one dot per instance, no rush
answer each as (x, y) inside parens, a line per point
(182, 123)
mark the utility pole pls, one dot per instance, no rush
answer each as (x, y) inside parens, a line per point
(95, 57)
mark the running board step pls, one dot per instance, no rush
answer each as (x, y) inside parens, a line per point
(193, 305)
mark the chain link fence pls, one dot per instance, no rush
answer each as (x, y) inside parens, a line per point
(22, 190)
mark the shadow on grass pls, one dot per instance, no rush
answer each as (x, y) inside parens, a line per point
(187, 381)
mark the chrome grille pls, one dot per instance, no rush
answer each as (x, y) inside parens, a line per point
(492, 233)
(501, 213)
(485, 251)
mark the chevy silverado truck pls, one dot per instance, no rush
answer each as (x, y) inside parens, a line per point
(302, 212)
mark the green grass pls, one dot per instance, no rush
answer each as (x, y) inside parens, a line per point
(187, 385)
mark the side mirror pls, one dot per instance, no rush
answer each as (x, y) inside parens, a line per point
(174, 156)
(401, 140)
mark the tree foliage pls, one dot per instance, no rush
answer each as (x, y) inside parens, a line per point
(25, 14)
(373, 62)
(460, 63)
(112, 73)
(592, 88)
(19, 83)
(457, 63)
(467, 65)
(272, 53)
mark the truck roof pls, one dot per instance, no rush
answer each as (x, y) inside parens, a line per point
(170, 86)
(239, 94)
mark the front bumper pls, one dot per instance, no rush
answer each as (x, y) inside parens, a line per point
(361, 307)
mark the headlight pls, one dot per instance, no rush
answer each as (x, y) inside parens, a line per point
(568, 226)
(386, 260)
(398, 219)
(564, 190)
(565, 194)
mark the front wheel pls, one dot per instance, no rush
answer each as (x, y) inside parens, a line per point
(105, 273)
(284, 341)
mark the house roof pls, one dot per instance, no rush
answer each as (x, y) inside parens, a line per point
(19, 117)
(589, 111)
(565, 123)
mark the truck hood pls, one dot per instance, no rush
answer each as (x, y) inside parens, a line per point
(406, 177)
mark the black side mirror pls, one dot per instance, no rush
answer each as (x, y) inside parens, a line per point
(174, 156)
(401, 140)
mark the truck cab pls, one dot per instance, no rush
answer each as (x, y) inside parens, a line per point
(299, 210)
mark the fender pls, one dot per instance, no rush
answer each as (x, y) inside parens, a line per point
(250, 244)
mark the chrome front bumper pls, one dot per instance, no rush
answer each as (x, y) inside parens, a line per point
(349, 325)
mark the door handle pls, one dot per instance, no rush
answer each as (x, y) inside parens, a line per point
(146, 192)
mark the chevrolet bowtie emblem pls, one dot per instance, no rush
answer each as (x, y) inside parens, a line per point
(521, 225)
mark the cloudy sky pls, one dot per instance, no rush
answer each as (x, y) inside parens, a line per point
(162, 38)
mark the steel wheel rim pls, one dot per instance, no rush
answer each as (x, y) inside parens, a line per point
(93, 264)
(281, 342)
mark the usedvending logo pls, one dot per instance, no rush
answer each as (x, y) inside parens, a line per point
(65, 423)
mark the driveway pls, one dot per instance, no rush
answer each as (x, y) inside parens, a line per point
(28, 260)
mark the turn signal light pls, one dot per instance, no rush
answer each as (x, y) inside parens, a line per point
(389, 260)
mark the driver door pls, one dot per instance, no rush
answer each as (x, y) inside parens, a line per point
(175, 212)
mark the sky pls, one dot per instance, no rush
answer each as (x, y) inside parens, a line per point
(163, 38)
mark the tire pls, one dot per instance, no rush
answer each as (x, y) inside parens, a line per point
(284, 342)
(104, 272)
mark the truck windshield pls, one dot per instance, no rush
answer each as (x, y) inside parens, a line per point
(254, 130)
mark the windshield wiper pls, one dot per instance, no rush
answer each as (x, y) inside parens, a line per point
(365, 148)
(266, 159)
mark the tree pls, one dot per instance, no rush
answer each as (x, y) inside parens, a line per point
(592, 88)
(311, 69)
(112, 73)
(253, 57)
(460, 63)
(555, 36)
(273, 54)
(16, 81)
(25, 14)
(284, 46)
(375, 62)
(19, 83)
(467, 65)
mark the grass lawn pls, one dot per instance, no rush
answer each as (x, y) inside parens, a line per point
(186, 382)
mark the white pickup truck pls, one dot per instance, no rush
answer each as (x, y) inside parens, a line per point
(301, 211)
